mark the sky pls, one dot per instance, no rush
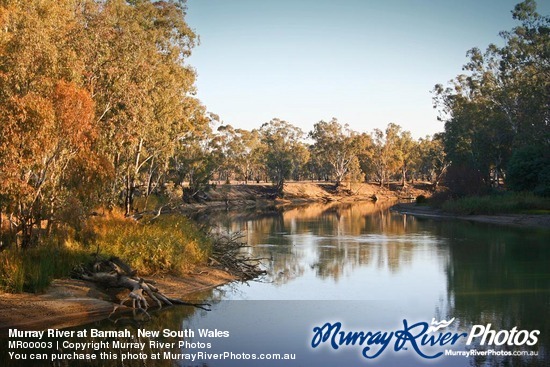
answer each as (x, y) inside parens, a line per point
(365, 62)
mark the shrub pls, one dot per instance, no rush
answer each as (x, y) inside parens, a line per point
(528, 169)
(172, 244)
(421, 199)
(463, 180)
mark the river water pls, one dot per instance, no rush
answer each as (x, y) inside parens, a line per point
(370, 270)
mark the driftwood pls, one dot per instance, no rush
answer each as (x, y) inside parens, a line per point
(114, 273)
(228, 255)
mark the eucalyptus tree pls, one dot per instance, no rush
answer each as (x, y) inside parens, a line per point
(223, 141)
(141, 83)
(335, 147)
(282, 141)
(384, 157)
(91, 92)
(248, 149)
(503, 102)
(47, 122)
(365, 146)
(195, 160)
(433, 162)
(407, 154)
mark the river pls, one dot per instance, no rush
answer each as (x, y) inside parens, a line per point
(370, 270)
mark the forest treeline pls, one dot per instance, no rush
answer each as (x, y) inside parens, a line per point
(98, 106)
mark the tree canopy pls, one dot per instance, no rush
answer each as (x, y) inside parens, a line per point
(502, 103)
(89, 88)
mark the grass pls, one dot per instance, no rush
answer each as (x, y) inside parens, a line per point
(506, 203)
(171, 244)
(32, 270)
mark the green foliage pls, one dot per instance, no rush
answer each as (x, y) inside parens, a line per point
(152, 202)
(96, 111)
(335, 148)
(543, 188)
(502, 103)
(285, 153)
(33, 269)
(498, 204)
(421, 199)
(170, 244)
(12, 271)
(463, 180)
(529, 169)
(385, 157)
(433, 162)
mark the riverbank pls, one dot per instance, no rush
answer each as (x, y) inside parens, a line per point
(254, 195)
(524, 220)
(71, 302)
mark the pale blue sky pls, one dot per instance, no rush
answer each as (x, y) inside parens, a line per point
(367, 62)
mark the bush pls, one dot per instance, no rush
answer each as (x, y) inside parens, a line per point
(463, 180)
(421, 199)
(528, 170)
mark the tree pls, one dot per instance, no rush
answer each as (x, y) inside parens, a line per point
(365, 148)
(240, 152)
(46, 115)
(248, 148)
(40, 138)
(503, 103)
(384, 158)
(406, 154)
(335, 148)
(141, 85)
(91, 91)
(529, 169)
(282, 141)
(433, 161)
(195, 160)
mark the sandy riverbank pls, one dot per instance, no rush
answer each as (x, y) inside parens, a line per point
(524, 220)
(70, 302)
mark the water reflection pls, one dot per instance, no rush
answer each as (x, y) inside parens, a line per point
(362, 264)
(501, 277)
(478, 273)
(330, 239)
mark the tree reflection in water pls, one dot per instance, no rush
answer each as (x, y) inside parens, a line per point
(332, 238)
(479, 274)
(501, 276)
(497, 275)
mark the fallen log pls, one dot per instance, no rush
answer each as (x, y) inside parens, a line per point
(114, 273)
